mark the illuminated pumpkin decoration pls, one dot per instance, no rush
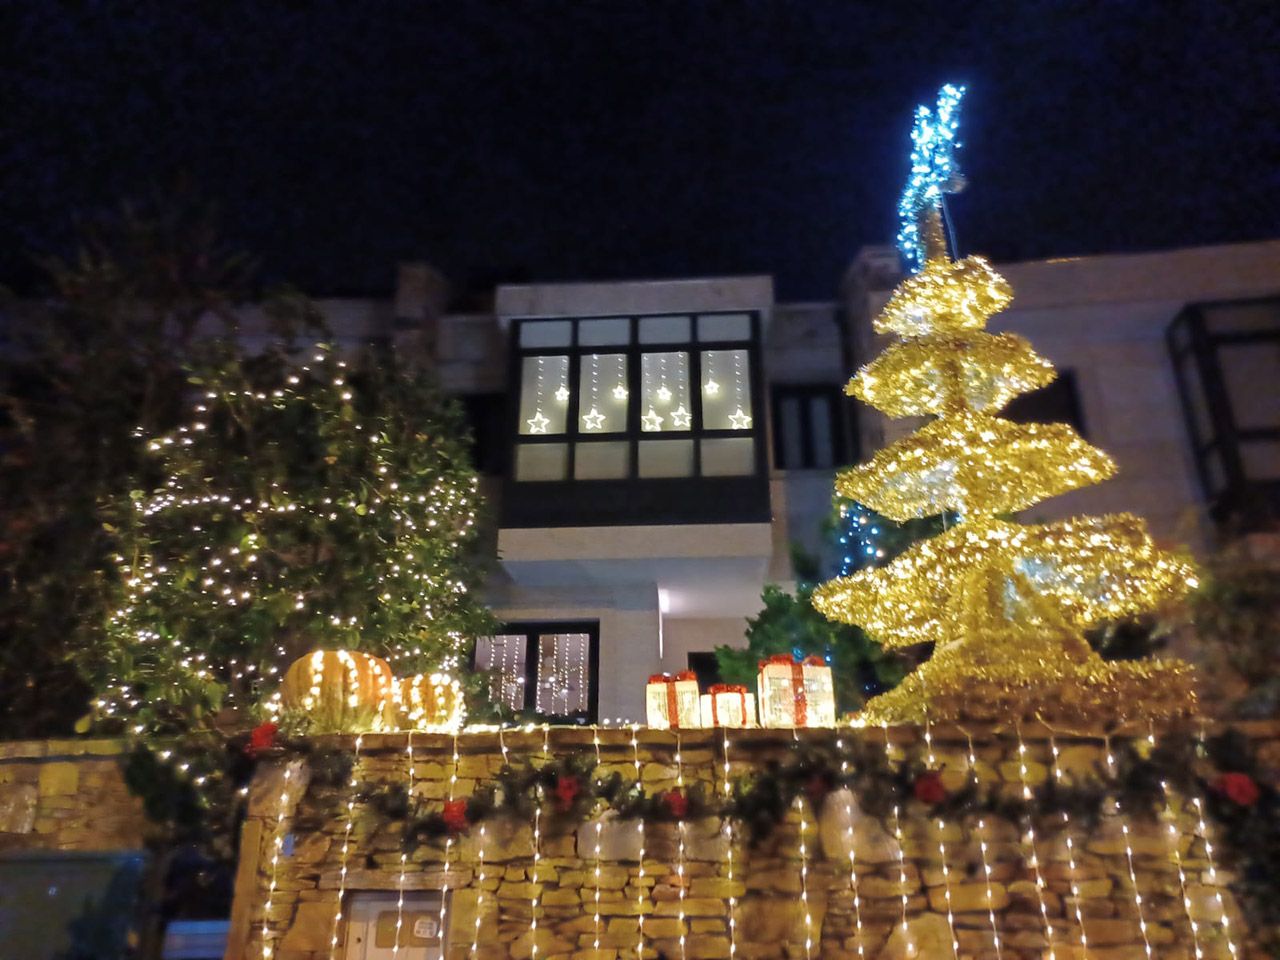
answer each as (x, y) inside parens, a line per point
(431, 702)
(339, 691)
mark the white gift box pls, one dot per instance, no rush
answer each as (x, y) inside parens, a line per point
(796, 693)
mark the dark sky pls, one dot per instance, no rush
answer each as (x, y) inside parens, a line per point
(622, 138)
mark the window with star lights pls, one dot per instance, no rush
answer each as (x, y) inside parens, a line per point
(635, 398)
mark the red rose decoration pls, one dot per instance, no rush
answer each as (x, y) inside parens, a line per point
(567, 790)
(1239, 788)
(929, 789)
(455, 815)
(677, 804)
(262, 738)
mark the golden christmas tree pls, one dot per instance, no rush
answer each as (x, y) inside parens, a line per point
(1005, 603)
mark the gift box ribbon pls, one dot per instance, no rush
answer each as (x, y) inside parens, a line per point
(718, 688)
(673, 711)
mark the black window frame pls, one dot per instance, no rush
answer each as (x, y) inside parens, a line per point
(531, 630)
(1066, 383)
(633, 499)
(804, 393)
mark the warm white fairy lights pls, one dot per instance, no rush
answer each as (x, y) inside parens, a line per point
(448, 840)
(728, 829)
(986, 861)
(595, 873)
(909, 947)
(404, 852)
(1072, 872)
(1029, 839)
(942, 846)
(345, 851)
(680, 846)
(1175, 837)
(535, 880)
(277, 848)
(635, 760)
(1128, 852)
(1212, 876)
(853, 855)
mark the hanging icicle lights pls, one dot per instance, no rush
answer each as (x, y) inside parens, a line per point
(934, 171)
(728, 829)
(942, 847)
(352, 784)
(277, 847)
(853, 855)
(1128, 852)
(1072, 872)
(640, 891)
(986, 862)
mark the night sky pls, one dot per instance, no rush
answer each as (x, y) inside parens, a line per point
(631, 138)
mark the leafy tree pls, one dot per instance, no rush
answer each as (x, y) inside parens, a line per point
(99, 358)
(307, 503)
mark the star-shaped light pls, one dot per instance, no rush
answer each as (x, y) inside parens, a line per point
(619, 392)
(593, 420)
(538, 423)
(664, 394)
(652, 420)
(680, 417)
(563, 394)
(711, 388)
(739, 420)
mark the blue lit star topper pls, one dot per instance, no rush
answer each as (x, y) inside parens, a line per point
(934, 171)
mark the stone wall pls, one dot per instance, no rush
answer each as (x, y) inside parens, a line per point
(738, 900)
(66, 795)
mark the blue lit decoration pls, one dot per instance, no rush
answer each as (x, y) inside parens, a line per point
(858, 535)
(934, 171)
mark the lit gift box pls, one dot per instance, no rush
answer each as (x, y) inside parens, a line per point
(796, 693)
(728, 705)
(672, 701)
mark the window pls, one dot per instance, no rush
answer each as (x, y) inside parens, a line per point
(550, 669)
(808, 429)
(622, 398)
(1059, 402)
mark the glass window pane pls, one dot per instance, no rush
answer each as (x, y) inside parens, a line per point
(821, 432)
(1261, 460)
(505, 656)
(666, 458)
(1251, 372)
(602, 461)
(724, 326)
(564, 678)
(665, 330)
(601, 333)
(726, 390)
(789, 429)
(546, 333)
(542, 461)
(728, 457)
(544, 394)
(602, 393)
(665, 404)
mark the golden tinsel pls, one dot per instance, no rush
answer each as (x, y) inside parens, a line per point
(945, 297)
(920, 377)
(974, 463)
(1090, 569)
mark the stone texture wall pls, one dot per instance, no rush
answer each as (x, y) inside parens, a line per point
(66, 795)
(755, 906)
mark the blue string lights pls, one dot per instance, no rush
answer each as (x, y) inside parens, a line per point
(859, 530)
(934, 171)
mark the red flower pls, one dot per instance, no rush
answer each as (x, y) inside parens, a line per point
(929, 789)
(1239, 788)
(677, 804)
(262, 738)
(567, 790)
(455, 816)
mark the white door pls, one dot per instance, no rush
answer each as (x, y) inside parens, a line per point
(371, 926)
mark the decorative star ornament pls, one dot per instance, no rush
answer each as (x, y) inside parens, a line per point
(563, 394)
(593, 420)
(680, 417)
(652, 420)
(711, 388)
(620, 392)
(739, 420)
(664, 394)
(538, 423)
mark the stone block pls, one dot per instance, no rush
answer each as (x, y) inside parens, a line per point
(562, 897)
(656, 927)
(721, 888)
(18, 808)
(619, 840)
(969, 896)
(547, 943)
(59, 779)
(707, 947)
(693, 907)
(928, 935)
(311, 929)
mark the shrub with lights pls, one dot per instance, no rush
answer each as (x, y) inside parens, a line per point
(307, 505)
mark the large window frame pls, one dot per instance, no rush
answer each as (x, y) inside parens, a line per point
(630, 497)
(805, 395)
(532, 631)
